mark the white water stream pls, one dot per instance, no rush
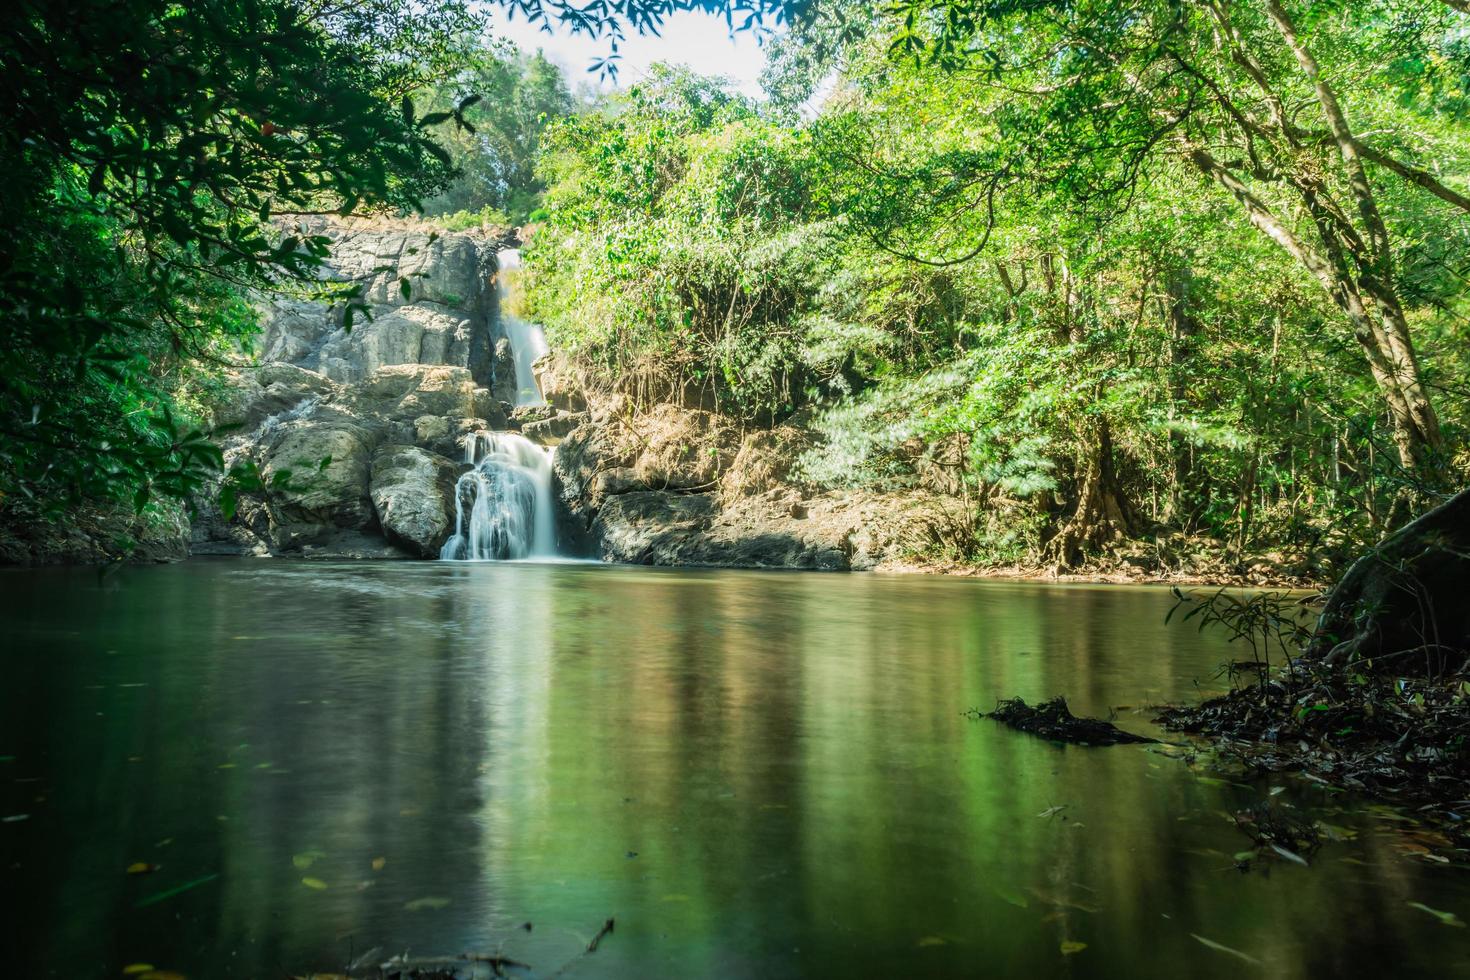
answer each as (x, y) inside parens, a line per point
(527, 339)
(502, 506)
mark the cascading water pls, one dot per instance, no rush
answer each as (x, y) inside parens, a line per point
(527, 339)
(507, 493)
(502, 506)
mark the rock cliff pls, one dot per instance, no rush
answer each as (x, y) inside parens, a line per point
(683, 486)
(350, 440)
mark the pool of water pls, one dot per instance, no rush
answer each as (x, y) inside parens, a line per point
(754, 774)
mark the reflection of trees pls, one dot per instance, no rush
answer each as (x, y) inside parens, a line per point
(786, 754)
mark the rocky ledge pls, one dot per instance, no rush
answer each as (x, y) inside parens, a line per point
(680, 486)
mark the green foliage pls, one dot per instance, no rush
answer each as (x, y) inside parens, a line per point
(972, 274)
(148, 146)
(495, 152)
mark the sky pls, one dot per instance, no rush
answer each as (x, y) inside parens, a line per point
(698, 40)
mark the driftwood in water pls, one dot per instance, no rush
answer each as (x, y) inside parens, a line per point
(1052, 719)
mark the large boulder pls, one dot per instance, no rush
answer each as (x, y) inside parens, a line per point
(551, 431)
(560, 382)
(316, 474)
(777, 529)
(651, 528)
(413, 494)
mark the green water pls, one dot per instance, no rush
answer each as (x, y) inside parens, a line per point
(755, 775)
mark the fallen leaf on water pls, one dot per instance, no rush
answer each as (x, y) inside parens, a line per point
(1069, 947)
(428, 902)
(141, 868)
(1222, 948)
(135, 968)
(315, 883)
(1291, 856)
(1011, 897)
(306, 859)
(379, 863)
(170, 893)
(1447, 918)
(931, 941)
(225, 765)
(15, 818)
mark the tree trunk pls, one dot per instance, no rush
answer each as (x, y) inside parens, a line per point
(1183, 328)
(1416, 426)
(1402, 606)
(1104, 514)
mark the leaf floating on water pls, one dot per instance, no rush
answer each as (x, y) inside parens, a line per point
(930, 941)
(427, 902)
(1012, 897)
(1291, 856)
(15, 818)
(1070, 947)
(154, 899)
(306, 859)
(132, 969)
(1445, 918)
(316, 884)
(141, 868)
(1222, 948)
(379, 863)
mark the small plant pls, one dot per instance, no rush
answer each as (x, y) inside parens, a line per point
(1262, 620)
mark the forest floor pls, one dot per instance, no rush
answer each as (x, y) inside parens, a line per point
(1404, 740)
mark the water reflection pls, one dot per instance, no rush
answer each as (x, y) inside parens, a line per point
(758, 775)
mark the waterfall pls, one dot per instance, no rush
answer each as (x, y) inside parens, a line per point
(527, 339)
(508, 496)
(502, 506)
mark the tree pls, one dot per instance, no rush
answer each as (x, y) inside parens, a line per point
(148, 148)
(1098, 91)
(496, 152)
